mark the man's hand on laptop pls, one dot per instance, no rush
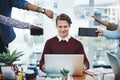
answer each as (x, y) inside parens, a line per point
(43, 68)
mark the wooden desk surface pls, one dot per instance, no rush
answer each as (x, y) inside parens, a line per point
(84, 77)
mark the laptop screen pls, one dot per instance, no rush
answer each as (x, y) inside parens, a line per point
(56, 62)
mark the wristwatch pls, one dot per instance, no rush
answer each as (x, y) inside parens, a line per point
(43, 11)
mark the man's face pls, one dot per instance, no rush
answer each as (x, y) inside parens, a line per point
(63, 28)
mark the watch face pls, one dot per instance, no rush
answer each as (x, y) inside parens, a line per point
(43, 11)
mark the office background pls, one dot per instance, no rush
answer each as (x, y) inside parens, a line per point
(80, 12)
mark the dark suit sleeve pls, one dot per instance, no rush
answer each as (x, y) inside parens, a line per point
(21, 4)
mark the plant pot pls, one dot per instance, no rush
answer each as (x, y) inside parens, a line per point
(64, 77)
(8, 72)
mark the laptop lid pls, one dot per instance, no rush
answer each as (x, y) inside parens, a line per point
(56, 62)
(115, 64)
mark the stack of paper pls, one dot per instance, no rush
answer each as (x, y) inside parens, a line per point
(53, 78)
(101, 73)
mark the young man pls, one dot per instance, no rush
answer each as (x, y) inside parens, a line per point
(63, 43)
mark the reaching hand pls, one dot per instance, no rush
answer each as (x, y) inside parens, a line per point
(36, 31)
(49, 13)
(43, 68)
(100, 32)
(35, 27)
(94, 17)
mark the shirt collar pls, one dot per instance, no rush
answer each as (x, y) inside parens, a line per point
(66, 38)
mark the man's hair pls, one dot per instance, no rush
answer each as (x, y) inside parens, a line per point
(63, 17)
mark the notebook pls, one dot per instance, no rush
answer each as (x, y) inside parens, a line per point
(89, 32)
(56, 62)
(115, 64)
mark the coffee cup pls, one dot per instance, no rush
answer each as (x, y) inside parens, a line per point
(34, 68)
(29, 75)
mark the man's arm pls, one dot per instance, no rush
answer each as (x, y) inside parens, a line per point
(112, 34)
(16, 23)
(47, 12)
(81, 51)
(23, 4)
(112, 27)
(109, 34)
(109, 26)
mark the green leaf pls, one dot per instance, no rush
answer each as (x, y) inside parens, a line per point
(64, 72)
(9, 58)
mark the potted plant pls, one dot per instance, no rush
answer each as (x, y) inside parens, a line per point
(8, 58)
(64, 73)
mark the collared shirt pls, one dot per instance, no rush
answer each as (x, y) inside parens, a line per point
(7, 32)
(64, 39)
(112, 34)
(13, 22)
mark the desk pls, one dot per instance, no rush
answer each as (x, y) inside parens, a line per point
(89, 77)
(84, 77)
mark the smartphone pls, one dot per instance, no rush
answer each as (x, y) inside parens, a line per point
(90, 32)
(37, 31)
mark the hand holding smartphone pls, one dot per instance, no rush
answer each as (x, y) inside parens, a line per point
(36, 31)
(90, 32)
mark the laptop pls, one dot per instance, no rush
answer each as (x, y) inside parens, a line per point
(56, 62)
(88, 32)
(115, 64)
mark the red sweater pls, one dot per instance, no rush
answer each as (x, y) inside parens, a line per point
(73, 46)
